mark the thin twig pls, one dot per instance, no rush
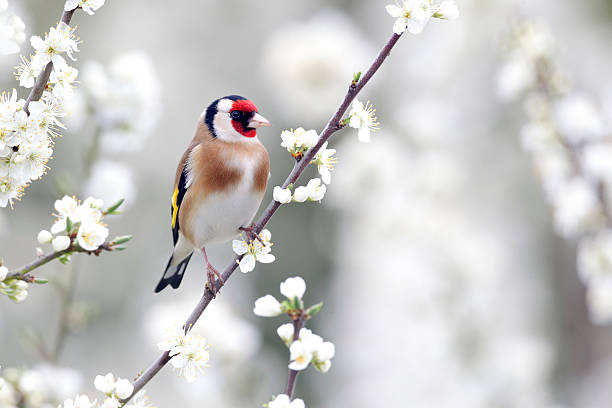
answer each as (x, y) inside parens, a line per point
(19, 272)
(41, 82)
(299, 167)
(298, 324)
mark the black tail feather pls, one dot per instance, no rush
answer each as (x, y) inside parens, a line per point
(176, 277)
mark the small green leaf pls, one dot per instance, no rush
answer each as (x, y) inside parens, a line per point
(41, 281)
(119, 248)
(64, 259)
(122, 239)
(356, 77)
(113, 208)
(314, 309)
(68, 225)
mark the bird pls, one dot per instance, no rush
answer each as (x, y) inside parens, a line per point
(219, 184)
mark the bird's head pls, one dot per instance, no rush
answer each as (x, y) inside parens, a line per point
(234, 118)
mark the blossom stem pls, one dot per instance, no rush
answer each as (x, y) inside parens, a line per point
(298, 324)
(298, 169)
(43, 78)
(45, 259)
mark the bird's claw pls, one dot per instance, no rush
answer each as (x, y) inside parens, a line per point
(212, 275)
(251, 234)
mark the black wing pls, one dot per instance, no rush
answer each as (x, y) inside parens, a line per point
(177, 199)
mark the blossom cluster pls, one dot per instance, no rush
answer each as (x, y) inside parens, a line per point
(254, 250)
(15, 289)
(83, 221)
(571, 147)
(115, 389)
(189, 351)
(283, 401)
(308, 348)
(27, 129)
(12, 30)
(413, 15)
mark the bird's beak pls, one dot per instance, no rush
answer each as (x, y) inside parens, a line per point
(258, 121)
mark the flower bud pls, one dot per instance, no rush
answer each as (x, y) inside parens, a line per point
(267, 306)
(44, 237)
(60, 243)
(124, 388)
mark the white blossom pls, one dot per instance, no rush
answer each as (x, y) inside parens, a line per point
(254, 251)
(411, 15)
(447, 10)
(59, 40)
(315, 190)
(300, 194)
(3, 272)
(88, 6)
(299, 141)
(140, 400)
(62, 81)
(293, 288)
(283, 401)
(300, 356)
(599, 300)
(105, 383)
(267, 306)
(578, 119)
(282, 195)
(363, 118)
(189, 352)
(325, 161)
(91, 235)
(80, 401)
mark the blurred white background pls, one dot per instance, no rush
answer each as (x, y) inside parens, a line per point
(435, 252)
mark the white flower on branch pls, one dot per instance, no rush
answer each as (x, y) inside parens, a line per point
(58, 40)
(267, 306)
(282, 195)
(411, 15)
(293, 288)
(115, 389)
(88, 6)
(189, 351)
(283, 401)
(15, 289)
(578, 119)
(594, 259)
(80, 401)
(62, 81)
(26, 74)
(254, 251)
(3, 272)
(320, 352)
(363, 118)
(325, 161)
(91, 235)
(299, 141)
(300, 356)
(447, 10)
(140, 400)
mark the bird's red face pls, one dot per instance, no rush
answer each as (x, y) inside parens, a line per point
(233, 118)
(245, 118)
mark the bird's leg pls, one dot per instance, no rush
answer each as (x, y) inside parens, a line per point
(251, 234)
(211, 272)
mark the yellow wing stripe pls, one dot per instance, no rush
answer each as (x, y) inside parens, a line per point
(174, 207)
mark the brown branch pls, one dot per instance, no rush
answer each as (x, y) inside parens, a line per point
(298, 324)
(41, 82)
(299, 167)
(19, 272)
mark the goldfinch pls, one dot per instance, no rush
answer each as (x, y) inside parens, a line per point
(220, 183)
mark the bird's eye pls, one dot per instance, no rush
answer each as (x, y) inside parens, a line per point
(235, 114)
